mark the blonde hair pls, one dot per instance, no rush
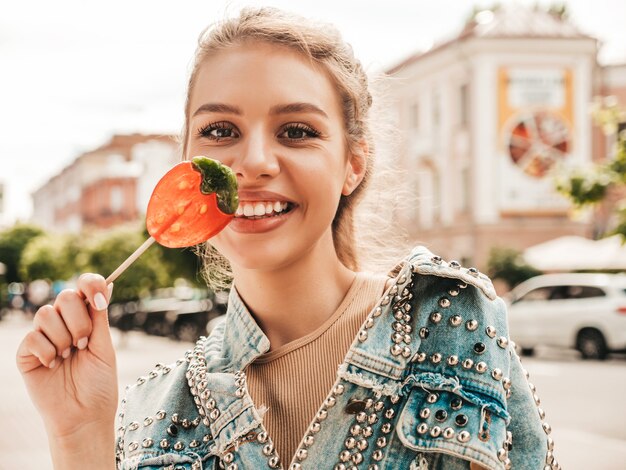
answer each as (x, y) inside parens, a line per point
(324, 46)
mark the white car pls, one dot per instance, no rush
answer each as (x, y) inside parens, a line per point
(585, 311)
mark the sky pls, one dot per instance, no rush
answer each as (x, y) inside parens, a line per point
(72, 73)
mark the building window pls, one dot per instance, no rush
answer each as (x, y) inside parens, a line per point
(464, 105)
(414, 116)
(465, 188)
(117, 199)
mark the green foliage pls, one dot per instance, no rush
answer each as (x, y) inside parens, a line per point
(49, 256)
(108, 250)
(592, 186)
(507, 264)
(13, 241)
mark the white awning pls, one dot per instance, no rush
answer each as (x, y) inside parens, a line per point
(577, 253)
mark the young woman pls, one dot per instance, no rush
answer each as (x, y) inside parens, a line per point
(317, 364)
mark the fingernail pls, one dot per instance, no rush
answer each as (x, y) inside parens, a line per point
(99, 301)
(52, 364)
(65, 354)
(82, 343)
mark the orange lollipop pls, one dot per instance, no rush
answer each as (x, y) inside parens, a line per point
(193, 201)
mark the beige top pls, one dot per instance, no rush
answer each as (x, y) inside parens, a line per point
(293, 380)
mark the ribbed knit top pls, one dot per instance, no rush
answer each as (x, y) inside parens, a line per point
(293, 380)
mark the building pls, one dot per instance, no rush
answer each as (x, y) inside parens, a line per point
(106, 186)
(487, 117)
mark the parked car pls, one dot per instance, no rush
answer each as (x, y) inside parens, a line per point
(182, 313)
(585, 311)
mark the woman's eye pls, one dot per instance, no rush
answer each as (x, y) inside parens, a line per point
(298, 132)
(218, 131)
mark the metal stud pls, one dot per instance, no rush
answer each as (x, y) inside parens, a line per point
(302, 454)
(456, 403)
(435, 431)
(419, 357)
(368, 431)
(503, 342)
(357, 458)
(406, 352)
(546, 428)
(268, 449)
(435, 317)
(496, 374)
(468, 363)
(453, 360)
(454, 264)
(481, 367)
(330, 402)
(491, 331)
(321, 415)
(147, 442)
(473, 272)
(338, 390)
(362, 335)
(479, 348)
(471, 325)
(453, 292)
(506, 383)
(369, 322)
(436, 259)
(214, 414)
(444, 302)
(456, 320)
(350, 443)
(362, 444)
(274, 461)
(389, 414)
(432, 398)
(441, 415)
(436, 358)
(448, 433)
(461, 420)
(424, 332)
(179, 445)
(396, 350)
(377, 312)
(164, 444)
(425, 413)
(133, 446)
(463, 436)
(422, 428)
(133, 426)
(160, 414)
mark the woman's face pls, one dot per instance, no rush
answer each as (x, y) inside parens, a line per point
(276, 120)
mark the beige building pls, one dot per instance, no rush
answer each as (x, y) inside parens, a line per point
(106, 186)
(488, 118)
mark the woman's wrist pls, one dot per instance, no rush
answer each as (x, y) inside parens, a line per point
(91, 445)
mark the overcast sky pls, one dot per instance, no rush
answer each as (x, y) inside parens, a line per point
(73, 72)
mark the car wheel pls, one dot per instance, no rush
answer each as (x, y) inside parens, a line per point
(527, 351)
(591, 344)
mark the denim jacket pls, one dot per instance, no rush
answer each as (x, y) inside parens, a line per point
(431, 381)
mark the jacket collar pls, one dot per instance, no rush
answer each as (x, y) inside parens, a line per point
(244, 340)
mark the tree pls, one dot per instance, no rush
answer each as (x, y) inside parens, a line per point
(13, 241)
(606, 181)
(507, 264)
(49, 256)
(107, 251)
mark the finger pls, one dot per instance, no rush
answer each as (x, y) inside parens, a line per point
(35, 350)
(95, 289)
(49, 322)
(72, 309)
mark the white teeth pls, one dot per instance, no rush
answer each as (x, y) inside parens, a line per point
(259, 209)
(248, 210)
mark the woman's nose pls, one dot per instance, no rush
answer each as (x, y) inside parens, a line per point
(257, 160)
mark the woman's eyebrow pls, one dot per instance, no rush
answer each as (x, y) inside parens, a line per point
(297, 108)
(218, 108)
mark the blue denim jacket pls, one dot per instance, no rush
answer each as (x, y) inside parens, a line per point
(431, 381)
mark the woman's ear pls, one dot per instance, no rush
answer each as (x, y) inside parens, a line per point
(357, 164)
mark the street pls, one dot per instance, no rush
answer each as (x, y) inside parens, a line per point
(583, 400)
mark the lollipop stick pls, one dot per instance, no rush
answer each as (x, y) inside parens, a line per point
(130, 260)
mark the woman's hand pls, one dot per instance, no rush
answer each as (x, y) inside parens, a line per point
(68, 365)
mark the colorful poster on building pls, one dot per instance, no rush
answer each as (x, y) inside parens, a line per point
(535, 125)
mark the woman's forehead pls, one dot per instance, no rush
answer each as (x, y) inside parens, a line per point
(263, 72)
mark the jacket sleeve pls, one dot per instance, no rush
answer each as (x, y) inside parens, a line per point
(528, 438)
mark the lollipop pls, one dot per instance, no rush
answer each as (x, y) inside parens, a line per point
(191, 203)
